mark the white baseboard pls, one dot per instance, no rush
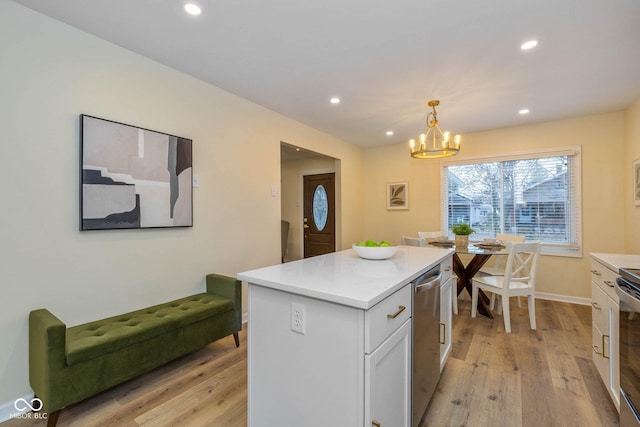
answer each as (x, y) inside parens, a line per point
(563, 298)
(6, 409)
(245, 318)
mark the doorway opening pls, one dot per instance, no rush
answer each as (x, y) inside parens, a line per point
(323, 233)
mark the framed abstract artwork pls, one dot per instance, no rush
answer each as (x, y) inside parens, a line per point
(132, 177)
(398, 195)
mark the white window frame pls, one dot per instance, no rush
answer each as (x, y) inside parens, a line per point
(568, 250)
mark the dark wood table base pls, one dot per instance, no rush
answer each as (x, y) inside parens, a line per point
(465, 274)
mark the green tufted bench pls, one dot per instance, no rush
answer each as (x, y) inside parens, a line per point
(67, 365)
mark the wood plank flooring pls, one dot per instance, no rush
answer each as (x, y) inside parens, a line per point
(526, 378)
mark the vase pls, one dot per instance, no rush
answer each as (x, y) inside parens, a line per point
(462, 240)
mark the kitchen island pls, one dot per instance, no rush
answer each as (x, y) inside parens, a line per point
(329, 339)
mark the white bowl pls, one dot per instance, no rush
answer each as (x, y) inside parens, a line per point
(375, 252)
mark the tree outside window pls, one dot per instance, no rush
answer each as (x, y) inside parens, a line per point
(535, 197)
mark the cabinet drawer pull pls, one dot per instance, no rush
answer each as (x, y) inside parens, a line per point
(595, 348)
(447, 269)
(401, 308)
(443, 335)
(375, 423)
(596, 272)
(608, 283)
(603, 347)
(595, 305)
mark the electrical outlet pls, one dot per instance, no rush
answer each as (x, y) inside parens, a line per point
(298, 318)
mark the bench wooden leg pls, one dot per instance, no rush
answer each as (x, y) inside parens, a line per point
(52, 419)
(236, 337)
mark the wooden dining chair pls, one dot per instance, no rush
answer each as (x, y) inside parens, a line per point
(498, 263)
(519, 279)
(414, 241)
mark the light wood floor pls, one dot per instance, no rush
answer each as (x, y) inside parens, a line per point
(526, 378)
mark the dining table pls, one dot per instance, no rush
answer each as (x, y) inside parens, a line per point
(481, 253)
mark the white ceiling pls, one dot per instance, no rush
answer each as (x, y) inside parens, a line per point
(386, 58)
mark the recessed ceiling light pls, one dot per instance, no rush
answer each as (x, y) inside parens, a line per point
(529, 44)
(335, 100)
(523, 111)
(193, 9)
(389, 132)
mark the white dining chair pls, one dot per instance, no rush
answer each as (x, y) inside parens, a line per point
(429, 236)
(413, 241)
(498, 263)
(519, 279)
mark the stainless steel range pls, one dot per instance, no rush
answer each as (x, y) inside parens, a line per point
(628, 289)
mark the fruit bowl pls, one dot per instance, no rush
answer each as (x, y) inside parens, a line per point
(375, 252)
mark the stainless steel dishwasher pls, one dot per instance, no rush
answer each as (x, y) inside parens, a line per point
(426, 340)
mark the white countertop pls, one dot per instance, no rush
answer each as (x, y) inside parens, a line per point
(345, 278)
(617, 261)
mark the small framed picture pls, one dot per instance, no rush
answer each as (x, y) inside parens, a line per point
(636, 182)
(397, 195)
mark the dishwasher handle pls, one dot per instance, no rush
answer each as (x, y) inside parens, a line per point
(420, 286)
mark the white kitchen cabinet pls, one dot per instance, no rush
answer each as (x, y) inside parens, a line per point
(387, 380)
(341, 371)
(605, 322)
(446, 300)
(445, 323)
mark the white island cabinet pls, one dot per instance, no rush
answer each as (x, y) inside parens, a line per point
(605, 317)
(447, 293)
(329, 339)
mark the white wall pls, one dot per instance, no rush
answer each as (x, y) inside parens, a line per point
(50, 74)
(602, 141)
(632, 153)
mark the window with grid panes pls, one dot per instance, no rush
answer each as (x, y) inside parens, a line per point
(536, 194)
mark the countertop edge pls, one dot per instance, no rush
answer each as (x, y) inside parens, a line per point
(325, 296)
(617, 261)
(364, 304)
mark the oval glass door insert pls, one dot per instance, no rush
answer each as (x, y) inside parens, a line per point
(320, 207)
